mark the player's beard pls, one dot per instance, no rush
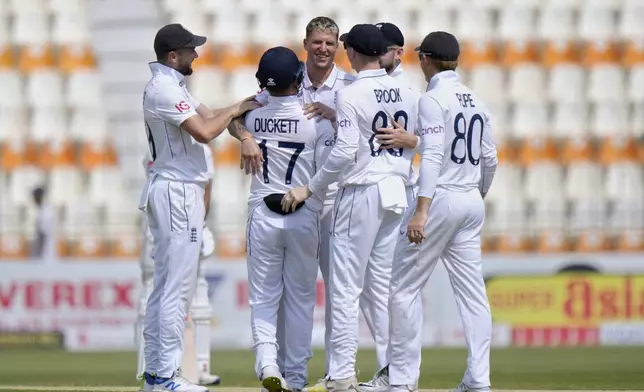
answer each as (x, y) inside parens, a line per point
(186, 71)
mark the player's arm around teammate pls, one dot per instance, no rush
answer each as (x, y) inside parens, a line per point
(346, 145)
(282, 247)
(173, 199)
(446, 220)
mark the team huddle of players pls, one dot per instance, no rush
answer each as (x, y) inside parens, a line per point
(333, 187)
(337, 189)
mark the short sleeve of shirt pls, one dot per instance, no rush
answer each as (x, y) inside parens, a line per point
(209, 160)
(173, 105)
(194, 102)
(262, 97)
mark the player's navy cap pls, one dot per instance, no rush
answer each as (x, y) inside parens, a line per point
(440, 45)
(279, 67)
(365, 39)
(392, 34)
(175, 36)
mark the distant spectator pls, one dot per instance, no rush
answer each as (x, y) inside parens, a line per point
(44, 245)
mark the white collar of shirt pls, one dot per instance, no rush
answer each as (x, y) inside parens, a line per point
(329, 82)
(286, 99)
(443, 76)
(160, 69)
(371, 73)
(397, 71)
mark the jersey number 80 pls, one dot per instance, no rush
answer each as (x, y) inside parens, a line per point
(466, 135)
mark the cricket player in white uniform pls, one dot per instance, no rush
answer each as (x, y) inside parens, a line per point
(322, 78)
(200, 309)
(371, 196)
(459, 159)
(173, 199)
(283, 246)
(391, 61)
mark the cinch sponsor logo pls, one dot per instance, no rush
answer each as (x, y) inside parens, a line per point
(432, 130)
(329, 142)
(344, 123)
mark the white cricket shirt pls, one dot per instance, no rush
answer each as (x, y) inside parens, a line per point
(367, 104)
(325, 94)
(293, 147)
(457, 144)
(166, 104)
(398, 74)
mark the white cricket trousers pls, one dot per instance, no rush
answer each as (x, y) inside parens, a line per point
(370, 310)
(175, 214)
(453, 234)
(325, 250)
(282, 266)
(363, 241)
(326, 218)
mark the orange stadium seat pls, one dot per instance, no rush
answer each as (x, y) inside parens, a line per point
(633, 53)
(33, 58)
(13, 246)
(73, 58)
(617, 148)
(232, 57)
(594, 53)
(12, 154)
(207, 58)
(630, 241)
(227, 153)
(477, 52)
(558, 52)
(125, 246)
(230, 245)
(87, 247)
(7, 59)
(592, 240)
(517, 52)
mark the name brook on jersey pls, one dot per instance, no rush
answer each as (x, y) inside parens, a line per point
(387, 96)
(276, 125)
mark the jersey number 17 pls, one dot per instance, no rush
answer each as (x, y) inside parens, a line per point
(298, 147)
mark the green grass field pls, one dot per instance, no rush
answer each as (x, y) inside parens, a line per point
(602, 368)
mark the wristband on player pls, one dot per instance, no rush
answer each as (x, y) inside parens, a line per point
(245, 138)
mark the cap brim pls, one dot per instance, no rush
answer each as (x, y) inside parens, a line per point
(197, 40)
(417, 49)
(343, 37)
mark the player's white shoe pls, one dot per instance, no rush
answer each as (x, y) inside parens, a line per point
(206, 378)
(150, 383)
(462, 387)
(326, 385)
(379, 382)
(272, 380)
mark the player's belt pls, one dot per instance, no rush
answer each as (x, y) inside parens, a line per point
(274, 203)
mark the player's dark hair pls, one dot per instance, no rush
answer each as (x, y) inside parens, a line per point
(322, 23)
(279, 91)
(162, 57)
